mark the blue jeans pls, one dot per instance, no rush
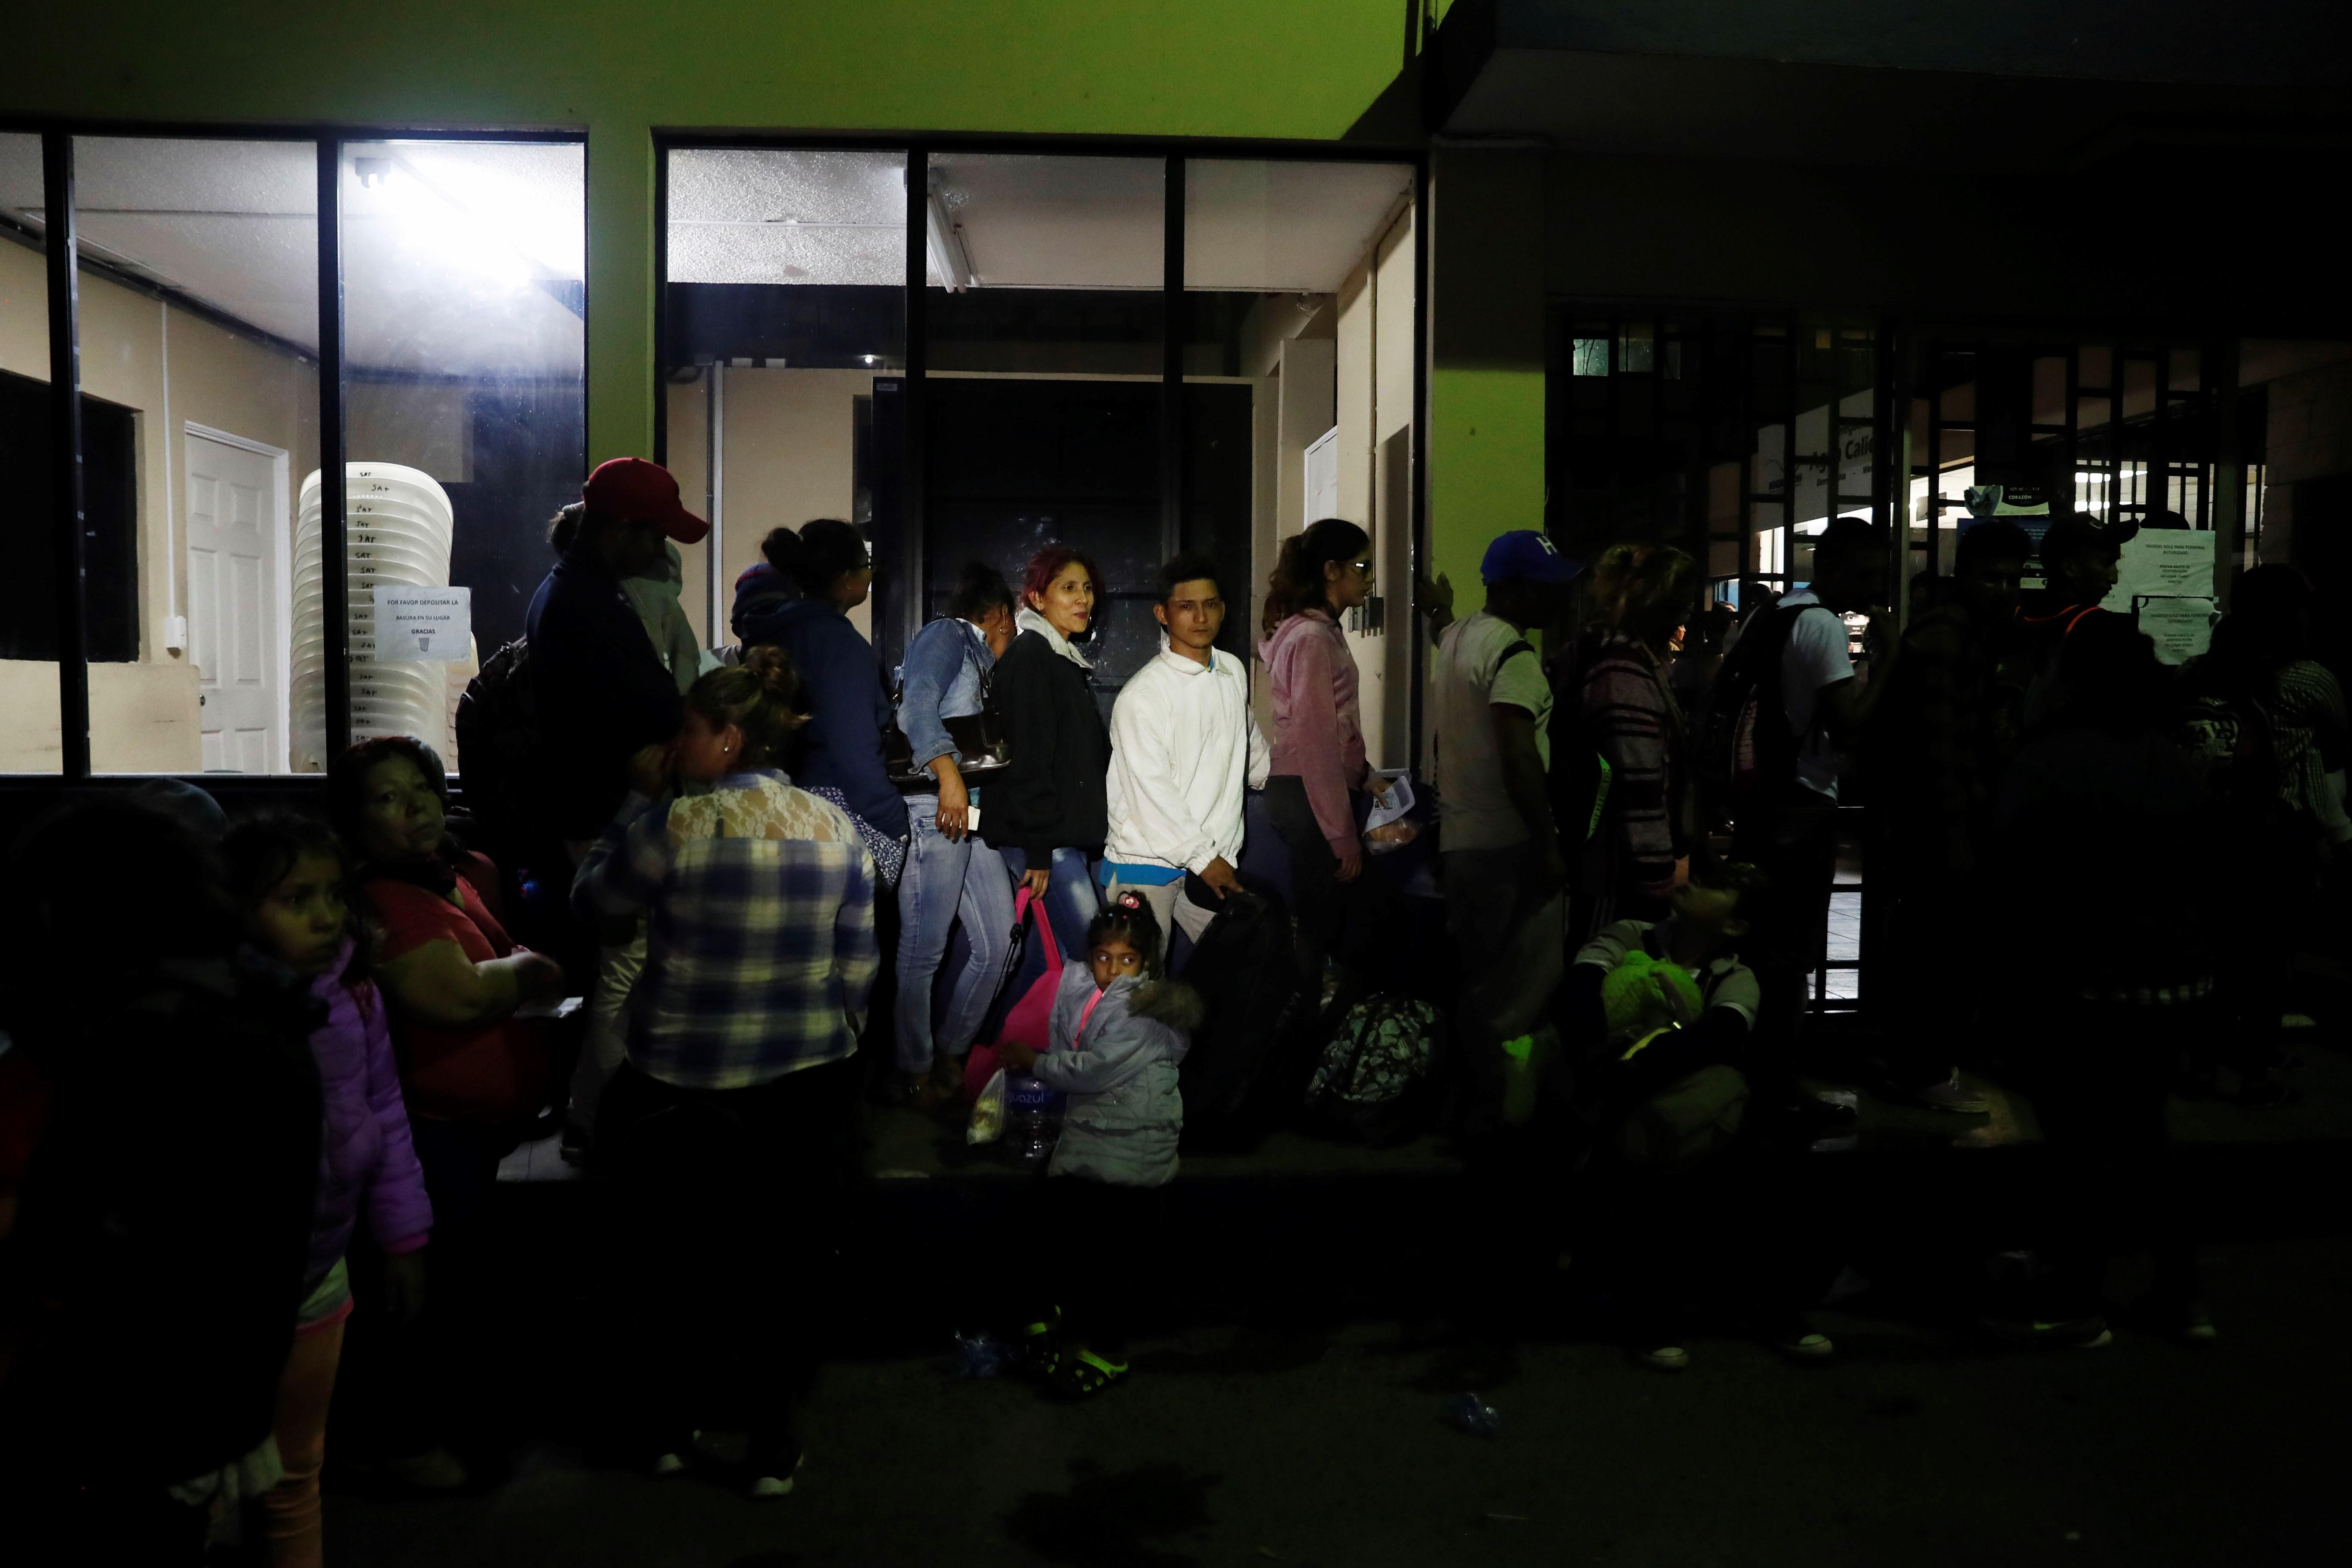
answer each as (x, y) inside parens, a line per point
(1071, 901)
(944, 879)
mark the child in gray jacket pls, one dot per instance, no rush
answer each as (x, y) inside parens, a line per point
(1118, 1033)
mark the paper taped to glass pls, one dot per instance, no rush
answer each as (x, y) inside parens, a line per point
(416, 625)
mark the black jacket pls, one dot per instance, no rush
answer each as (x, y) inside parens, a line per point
(604, 694)
(1051, 797)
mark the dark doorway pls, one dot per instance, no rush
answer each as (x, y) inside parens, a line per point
(1012, 464)
(29, 596)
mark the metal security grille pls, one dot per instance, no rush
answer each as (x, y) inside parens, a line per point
(2151, 433)
(1736, 436)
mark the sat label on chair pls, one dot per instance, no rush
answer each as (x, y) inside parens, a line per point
(415, 624)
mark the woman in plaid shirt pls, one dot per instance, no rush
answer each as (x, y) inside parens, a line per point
(728, 1127)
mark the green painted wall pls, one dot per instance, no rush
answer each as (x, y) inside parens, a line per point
(1487, 376)
(1489, 424)
(1292, 69)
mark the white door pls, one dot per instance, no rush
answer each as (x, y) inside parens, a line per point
(234, 621)
(1323, 475)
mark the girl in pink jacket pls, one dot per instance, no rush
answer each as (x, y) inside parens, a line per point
(289, 874)
(1318, 739)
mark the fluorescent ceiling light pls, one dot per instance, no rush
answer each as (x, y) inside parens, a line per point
(944, 242)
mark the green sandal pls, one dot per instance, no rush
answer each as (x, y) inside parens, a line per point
(1041, 1346)
(1081, 1374)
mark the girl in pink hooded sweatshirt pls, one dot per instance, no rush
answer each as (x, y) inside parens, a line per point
(1318, 739)
(289, 873)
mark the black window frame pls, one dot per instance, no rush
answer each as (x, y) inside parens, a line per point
(1176, 151)
(64, 265)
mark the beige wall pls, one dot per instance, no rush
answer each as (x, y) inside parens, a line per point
(686, 424)
(789, 456)
(143, 715)
(1304, 410)
(24, 312)
(1374, 402)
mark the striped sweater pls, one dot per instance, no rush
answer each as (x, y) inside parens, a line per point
(1634, 721)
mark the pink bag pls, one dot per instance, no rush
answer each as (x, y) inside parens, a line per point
(1030, 1020)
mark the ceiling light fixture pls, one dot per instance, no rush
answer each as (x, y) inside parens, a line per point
(943, 239)
(437, 224)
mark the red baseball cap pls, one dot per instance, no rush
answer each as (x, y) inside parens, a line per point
(637, 491)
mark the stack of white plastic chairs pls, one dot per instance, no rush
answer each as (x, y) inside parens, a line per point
(397, 527)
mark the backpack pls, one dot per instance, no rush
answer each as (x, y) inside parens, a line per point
(500, 747)
(1746, 757)
(1246, 972)
(1579, 774)
(1373, 1081)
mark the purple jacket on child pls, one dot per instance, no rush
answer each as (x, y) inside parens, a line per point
(364, 1153)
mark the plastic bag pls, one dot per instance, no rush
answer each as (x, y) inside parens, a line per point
(988, 1112)
(1386, 829)
(980, 1355)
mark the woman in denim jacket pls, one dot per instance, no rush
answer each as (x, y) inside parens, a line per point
(948, 868)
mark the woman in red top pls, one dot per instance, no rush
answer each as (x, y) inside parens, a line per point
(475, 1075)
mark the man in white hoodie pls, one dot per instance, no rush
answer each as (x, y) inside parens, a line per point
(1183, 748)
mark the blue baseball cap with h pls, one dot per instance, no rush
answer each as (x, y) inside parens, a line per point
(1524, 555)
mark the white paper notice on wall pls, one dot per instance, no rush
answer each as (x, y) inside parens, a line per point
(423, 625)
(2182, 629)
(2163, 564)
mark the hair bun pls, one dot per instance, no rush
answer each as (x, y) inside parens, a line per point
(784, 550)
(774, 672)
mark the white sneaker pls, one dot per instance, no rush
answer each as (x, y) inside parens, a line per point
(1662, 1358)
(778, 1486)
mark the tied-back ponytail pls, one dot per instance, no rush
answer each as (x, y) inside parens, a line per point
(1297, 582)
(762, 697)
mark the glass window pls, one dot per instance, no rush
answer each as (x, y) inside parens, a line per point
(465, 424)
(199, 333)
(28, 624)
(1044, 344)
(786, 311)
(1636, 348)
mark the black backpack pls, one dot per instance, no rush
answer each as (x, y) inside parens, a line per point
(501, 749)
(1242, 1075)
(1746, 758)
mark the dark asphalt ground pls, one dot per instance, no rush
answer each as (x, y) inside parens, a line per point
(1917, 1446)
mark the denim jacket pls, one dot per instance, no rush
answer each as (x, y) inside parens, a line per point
(941, 680)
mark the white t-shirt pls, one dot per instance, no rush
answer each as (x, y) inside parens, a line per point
(1816, 655)
(1469, 676)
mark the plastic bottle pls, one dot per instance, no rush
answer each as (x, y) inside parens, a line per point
(1468, 1413)
(980, 1355)
(1033, 1118)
